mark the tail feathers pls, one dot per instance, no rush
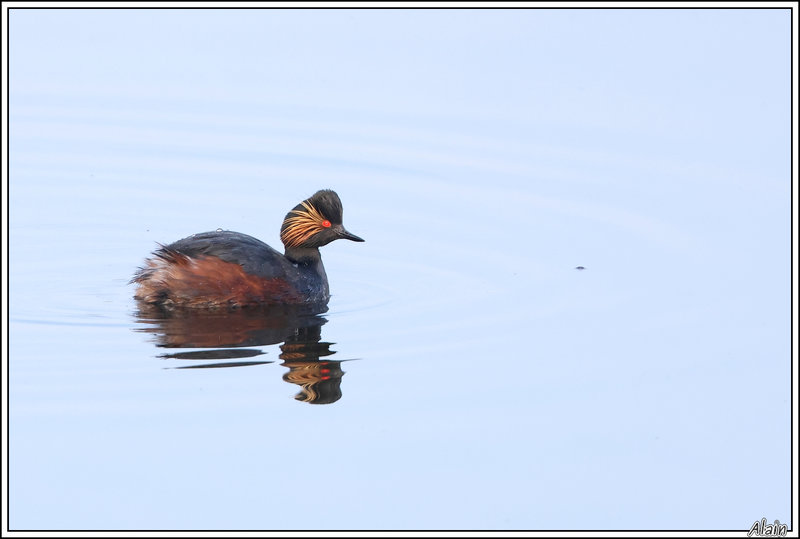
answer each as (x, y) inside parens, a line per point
(154, 277)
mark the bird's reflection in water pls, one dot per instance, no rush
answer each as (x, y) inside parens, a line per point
(320, 379)
(227, 334)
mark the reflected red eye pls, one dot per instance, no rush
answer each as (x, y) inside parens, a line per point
(326, 223)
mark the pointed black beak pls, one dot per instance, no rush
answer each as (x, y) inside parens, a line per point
(345, 235)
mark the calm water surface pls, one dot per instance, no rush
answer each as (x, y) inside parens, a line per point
(465, 375)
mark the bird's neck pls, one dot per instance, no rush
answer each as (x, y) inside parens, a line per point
(312, 278)
(303, 255)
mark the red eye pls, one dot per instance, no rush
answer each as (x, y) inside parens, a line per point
(326, 223)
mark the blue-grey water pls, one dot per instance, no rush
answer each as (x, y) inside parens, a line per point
(466, 374)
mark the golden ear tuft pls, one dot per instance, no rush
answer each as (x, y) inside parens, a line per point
(300, 225)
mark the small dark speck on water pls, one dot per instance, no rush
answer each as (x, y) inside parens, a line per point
(579, 268)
